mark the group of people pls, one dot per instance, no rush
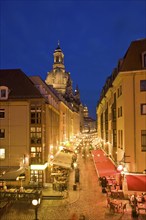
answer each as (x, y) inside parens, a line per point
(60, 179)
(134, 199)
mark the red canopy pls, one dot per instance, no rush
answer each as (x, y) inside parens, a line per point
(103, 164)
(136, 182)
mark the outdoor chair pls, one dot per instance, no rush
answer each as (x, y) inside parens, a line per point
(109, 193)
(112, 207)
(124, 207)
(108, 202)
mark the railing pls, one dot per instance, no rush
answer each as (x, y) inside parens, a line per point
(25, 195)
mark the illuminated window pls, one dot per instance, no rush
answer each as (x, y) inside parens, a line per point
(2, 113)
(37, 176)
(36, 114)
(2, 153)
(33, 149)
(2, 133)
(143, 109)
(143, 140)
(142, 85)
(36, 135)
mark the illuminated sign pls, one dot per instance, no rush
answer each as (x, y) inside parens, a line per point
(38, 166)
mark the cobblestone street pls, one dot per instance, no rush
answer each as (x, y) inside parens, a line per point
(88, 200)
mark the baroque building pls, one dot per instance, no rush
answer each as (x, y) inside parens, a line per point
(121, 110)
(58, 77)
(61, 81)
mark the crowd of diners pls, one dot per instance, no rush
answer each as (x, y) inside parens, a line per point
(137, 202)
(116, 201)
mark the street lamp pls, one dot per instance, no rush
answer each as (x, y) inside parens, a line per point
(36, 202)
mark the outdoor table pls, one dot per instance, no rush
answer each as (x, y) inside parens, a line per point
(141, 206)
(117, 194)
(117, 204)
(110, 178)
(110, 182)
(139, 198)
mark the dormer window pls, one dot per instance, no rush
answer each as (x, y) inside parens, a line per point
(3, 92)
(144, 59)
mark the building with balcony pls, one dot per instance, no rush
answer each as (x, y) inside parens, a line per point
(121, 110)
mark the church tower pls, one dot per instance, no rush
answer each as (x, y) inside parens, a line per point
(58, 77)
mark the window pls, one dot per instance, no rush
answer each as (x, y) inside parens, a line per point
(2, 113)
(57, 59)
(2, 153)
(3, 92)
(144, 59)
(37, 176)
(36, 135)
(120, 139)
(119, 133)
(114, 138)
(120, 111)
(2, 133)
(142, 85)
(143, 109)
(36, 113)
(119, 91)
(143, 140)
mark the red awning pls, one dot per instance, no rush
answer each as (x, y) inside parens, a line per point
(103, 164)
(136, 182)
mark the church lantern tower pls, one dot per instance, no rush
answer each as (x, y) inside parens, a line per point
(58, 77)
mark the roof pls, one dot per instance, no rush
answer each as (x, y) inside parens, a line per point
(132, 61)
(20, 86)
(13, 175)
(136, 182)
(133, 57)
(89, 119)
(63, 159)
(58, 49)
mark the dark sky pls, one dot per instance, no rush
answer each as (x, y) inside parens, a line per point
(93, 36)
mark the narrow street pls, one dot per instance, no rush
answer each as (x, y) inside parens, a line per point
(91, 202)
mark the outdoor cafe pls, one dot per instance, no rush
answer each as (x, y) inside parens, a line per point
(111, 179)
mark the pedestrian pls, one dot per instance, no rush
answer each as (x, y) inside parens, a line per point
(74, 217)
(104, 182)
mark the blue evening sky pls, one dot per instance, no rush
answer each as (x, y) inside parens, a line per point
(93, 36)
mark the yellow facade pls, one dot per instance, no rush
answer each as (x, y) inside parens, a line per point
(16, 126)
(120, 121)
(69, 123)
